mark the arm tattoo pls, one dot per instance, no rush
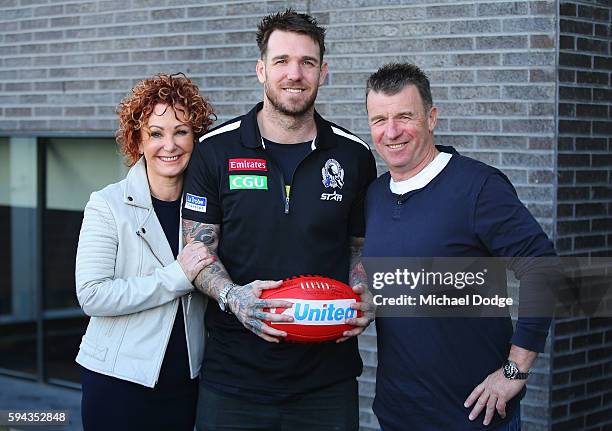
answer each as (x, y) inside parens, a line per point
(208, 236)
(242, 300)
(357, 274)
(212, 279)
(205, 233)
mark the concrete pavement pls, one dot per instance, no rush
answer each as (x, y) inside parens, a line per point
(25, 395)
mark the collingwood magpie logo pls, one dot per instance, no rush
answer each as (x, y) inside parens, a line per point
(333, 177)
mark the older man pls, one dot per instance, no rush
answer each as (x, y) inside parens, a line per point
(444, 373)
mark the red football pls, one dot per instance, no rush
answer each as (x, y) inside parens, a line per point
(320, 307)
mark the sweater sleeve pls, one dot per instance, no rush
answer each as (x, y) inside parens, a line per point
(507, 229)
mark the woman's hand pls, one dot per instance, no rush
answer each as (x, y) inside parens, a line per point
(193, 258)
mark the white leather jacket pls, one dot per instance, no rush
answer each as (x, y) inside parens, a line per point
(128, 281)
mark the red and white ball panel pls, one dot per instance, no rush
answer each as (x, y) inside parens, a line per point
(321, 305)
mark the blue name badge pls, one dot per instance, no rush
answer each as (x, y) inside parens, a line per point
(195, 203)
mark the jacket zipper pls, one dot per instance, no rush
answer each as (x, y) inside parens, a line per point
(111, 327)
(291, 182)
(277, 171)
(185, 313)
(281, 177)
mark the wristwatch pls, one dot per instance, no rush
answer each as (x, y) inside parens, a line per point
(512, 372)
(223, 305)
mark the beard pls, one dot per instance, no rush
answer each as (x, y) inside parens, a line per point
(293, 109)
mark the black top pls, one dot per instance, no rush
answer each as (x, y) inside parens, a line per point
(175, 367)
(287, 157)
(169, 216)
(232, 181)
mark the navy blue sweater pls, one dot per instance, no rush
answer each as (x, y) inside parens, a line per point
(428, 366)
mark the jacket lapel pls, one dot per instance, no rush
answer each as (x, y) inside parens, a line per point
(138, 195)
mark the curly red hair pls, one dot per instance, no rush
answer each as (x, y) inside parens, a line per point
(173, 90)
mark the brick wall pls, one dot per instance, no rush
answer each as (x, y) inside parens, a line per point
(65, 65)
(582, 364)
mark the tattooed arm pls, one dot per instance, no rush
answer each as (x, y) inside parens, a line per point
(210, 282)
(358, 280)
(244, 300)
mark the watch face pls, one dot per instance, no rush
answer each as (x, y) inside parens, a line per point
(510, 370)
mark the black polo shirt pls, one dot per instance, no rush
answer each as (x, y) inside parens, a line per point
(269, 234)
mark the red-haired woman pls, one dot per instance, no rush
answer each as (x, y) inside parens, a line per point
(142, 350)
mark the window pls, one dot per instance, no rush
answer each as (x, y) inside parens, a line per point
(74, 169)
(44, 186)
(18, 254)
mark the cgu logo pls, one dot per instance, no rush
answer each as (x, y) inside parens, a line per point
(317, 312)
(248, 182)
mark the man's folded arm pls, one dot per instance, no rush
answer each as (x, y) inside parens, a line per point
(243, 301)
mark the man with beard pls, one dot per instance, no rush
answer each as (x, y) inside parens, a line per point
(276, 193)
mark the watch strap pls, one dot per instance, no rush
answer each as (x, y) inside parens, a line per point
(223, 305)
(522, 376)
